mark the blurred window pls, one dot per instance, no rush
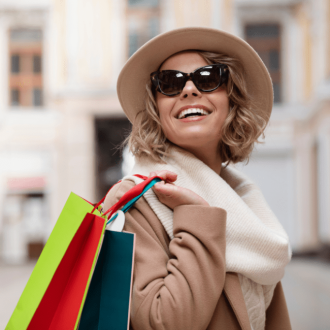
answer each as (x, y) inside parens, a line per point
(133, 40)
(143, 3)
(274, 59)
(25, 76)
(14, 97)
(266, 40)
(37, 97)
(262, 31)
(36, 63)
(15, 64)
(143, 23)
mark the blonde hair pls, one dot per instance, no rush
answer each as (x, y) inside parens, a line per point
(240, 131)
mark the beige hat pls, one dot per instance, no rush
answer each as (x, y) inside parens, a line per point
(136, 72)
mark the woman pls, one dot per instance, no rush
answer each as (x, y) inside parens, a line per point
(210, 253)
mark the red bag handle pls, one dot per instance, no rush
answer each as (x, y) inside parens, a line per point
(128, 195)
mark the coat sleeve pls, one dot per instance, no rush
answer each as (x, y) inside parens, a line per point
(175, 286)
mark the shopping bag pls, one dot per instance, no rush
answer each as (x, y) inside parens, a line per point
(55, 293)
(107, 305)
(108, 298)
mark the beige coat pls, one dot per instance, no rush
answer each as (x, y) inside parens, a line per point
(182, 283)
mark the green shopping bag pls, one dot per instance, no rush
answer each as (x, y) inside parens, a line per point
(61, 276)
(56, 291)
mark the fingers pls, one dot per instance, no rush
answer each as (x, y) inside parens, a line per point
(167, 176)
(170, 194)
(168, 190)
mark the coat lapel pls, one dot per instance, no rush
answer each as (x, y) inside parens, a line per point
(235, 297)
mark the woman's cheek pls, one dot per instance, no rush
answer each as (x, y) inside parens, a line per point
(167, 130)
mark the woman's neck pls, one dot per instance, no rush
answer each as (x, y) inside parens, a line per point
(209, 156)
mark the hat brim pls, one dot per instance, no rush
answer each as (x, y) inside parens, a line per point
(136, 71)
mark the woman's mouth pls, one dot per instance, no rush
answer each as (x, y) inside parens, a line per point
(192, 112)
(192, 119)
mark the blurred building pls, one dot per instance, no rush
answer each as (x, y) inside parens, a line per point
(61, 121)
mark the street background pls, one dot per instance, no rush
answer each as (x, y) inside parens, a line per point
(306, 286)
(61, 122)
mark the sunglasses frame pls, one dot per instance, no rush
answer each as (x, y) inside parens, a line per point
(191, 76)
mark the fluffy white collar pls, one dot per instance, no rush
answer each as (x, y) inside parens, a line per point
(256, 244)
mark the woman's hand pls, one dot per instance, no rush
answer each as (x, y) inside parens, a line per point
(172, 195)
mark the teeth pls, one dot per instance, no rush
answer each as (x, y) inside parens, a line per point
(192, 110)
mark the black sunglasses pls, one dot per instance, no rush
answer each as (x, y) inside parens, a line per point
(206, 79)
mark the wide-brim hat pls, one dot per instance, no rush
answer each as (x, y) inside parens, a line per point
(131, 84)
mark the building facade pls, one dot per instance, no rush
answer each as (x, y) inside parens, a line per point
(60, 119)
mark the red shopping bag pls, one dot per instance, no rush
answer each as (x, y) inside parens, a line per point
(56, 291)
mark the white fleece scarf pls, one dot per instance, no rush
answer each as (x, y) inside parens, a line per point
(257, 247)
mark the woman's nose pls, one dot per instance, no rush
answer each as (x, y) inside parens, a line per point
(190, 90)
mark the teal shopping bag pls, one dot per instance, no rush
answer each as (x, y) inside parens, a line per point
(108, 299)
(107, 303)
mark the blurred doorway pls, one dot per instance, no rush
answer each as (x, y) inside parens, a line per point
(24, 227)
(110, 133)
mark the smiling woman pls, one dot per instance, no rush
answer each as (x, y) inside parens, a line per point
(238, 125)
(210, 254)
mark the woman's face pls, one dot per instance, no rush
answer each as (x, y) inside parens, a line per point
(192, 132)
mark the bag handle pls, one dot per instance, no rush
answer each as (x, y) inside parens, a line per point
(130, 197)
(129, 204)
(102, 200)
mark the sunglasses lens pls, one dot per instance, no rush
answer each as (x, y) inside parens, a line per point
(207, 78)
(171, 82)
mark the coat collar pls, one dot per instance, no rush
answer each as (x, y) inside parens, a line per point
(235, 297)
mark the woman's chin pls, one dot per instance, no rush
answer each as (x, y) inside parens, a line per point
(194, 143)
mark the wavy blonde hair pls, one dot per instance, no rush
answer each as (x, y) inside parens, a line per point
(240, 131)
